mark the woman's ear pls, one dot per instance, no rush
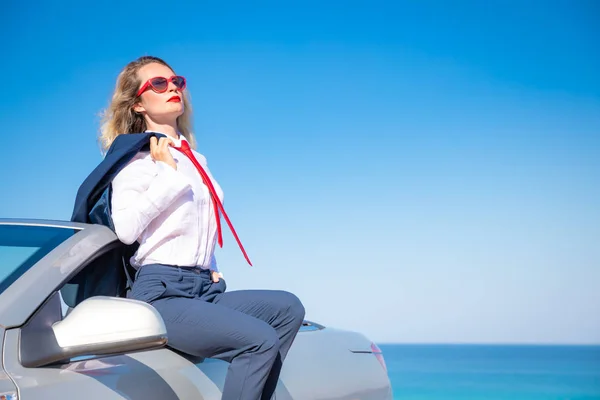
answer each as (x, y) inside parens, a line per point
(138, 108)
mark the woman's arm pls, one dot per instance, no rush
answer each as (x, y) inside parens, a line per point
(215, 274)
(213, 263)
(140, 192)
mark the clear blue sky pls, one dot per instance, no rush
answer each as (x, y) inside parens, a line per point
(422, 172)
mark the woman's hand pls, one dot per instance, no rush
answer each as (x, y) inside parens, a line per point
(215, 276)
(159, 150)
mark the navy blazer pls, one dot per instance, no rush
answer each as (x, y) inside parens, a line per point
(92, 203)
(109, 274)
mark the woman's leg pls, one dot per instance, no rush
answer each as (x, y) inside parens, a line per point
(251, 329)
(201, 328)
(281, 310)
(204, 329)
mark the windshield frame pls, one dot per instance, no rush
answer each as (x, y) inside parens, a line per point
(44, 238)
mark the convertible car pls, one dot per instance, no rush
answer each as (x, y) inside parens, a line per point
(65, 335)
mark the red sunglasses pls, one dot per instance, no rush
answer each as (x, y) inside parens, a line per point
(160, 84)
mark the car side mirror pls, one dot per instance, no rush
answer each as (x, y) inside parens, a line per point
(99, 325)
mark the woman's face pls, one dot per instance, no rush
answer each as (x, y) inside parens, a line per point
(163, 108)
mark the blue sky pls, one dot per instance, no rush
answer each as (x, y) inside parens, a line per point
(420, 172)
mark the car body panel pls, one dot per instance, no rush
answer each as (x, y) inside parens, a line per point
(156, 374)
(341, 375)
(7, 386)
(325, 359)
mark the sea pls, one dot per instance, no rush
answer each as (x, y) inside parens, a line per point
(493, 372)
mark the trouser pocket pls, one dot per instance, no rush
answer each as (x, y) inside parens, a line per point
(148, 288)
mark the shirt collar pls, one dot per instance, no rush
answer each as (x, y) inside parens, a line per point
(176, 142)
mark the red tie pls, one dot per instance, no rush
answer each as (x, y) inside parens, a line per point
(185, 149)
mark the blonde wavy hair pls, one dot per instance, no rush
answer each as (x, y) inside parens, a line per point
(120, 118)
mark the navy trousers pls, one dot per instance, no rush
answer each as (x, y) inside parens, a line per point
(251, 329)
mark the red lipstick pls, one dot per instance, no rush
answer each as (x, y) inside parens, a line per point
(176, 99)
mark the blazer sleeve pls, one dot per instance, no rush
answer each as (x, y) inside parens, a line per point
(140, 192)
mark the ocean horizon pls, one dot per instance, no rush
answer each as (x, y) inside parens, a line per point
(493, 371)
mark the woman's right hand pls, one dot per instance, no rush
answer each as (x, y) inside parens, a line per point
(159, 150)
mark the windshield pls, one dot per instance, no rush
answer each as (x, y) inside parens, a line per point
(22, 246)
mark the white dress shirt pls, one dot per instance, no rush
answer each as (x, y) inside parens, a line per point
(169, 212)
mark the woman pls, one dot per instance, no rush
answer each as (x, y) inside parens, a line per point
(161, 200)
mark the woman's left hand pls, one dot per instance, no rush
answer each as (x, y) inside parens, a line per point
(215, 276)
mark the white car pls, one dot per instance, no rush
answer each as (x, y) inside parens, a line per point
(66, 337)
